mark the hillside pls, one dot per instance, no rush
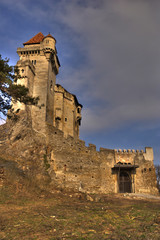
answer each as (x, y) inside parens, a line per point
(27, 212)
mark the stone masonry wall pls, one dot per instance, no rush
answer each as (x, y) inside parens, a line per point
(77, 167)
(65, 163)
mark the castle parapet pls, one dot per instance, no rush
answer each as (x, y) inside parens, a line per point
(148, 154)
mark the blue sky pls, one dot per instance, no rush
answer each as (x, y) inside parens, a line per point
(110, 58)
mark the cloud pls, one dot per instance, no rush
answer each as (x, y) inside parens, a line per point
(121, 78)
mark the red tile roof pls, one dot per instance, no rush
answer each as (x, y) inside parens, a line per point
(36, 39)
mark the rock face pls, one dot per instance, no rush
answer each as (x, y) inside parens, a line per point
(44, 141)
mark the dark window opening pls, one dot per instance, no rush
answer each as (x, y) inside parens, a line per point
(58, 118)
(22, 70)
(51, 85)
(150, 169)
(65, 119)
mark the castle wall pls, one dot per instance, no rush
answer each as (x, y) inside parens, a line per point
(74, 166)
(66, 112)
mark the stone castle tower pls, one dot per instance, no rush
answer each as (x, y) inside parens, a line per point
(39, 65)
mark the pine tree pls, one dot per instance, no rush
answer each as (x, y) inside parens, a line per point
(9, 90)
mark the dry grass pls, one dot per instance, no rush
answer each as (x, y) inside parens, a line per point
(64, 216)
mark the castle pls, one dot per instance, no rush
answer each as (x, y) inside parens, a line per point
(54, 140)
(38, 66)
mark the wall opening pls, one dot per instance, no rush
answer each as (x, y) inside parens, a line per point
(125, 182)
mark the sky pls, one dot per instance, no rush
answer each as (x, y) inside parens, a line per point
(109, 52)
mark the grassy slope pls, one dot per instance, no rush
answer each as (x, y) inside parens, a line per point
(61, 216)
(28, 213)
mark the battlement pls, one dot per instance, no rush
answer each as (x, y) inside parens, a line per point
(124, 151)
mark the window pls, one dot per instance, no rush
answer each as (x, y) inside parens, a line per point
(22, 70)
(34, 62)
(51, 85)
(65, 119)
(78, 110)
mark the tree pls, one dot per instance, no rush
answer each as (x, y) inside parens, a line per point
(9, 90)
(157, 168)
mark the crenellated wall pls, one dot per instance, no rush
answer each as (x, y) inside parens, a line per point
(73, 165)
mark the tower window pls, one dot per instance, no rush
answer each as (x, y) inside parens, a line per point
(65, 119)
(78, 110)
(51, 85)
(34, 62)
(22, 70)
